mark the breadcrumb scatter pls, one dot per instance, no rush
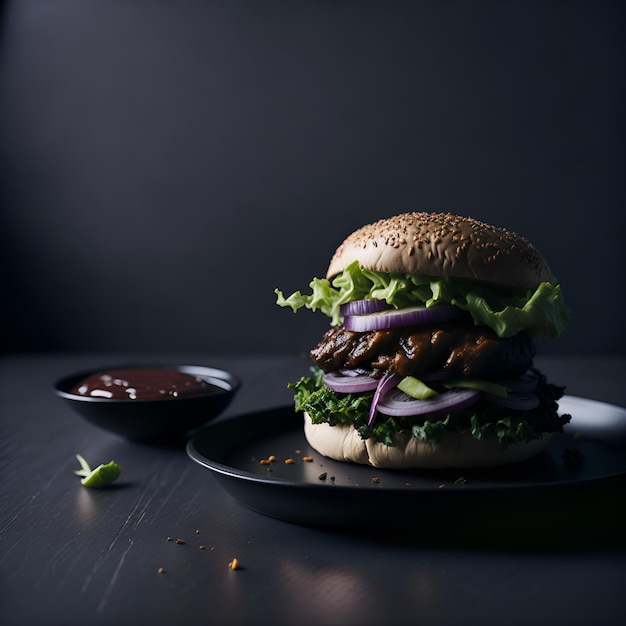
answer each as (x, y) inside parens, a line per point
(234, 564)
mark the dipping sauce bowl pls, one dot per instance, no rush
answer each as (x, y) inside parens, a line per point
(160, 404)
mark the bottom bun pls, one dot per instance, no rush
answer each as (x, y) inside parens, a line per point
(343, 443)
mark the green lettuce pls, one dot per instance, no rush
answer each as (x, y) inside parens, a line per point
(542, 311)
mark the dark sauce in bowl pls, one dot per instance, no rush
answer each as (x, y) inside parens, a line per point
(149, 403)
(144, 383)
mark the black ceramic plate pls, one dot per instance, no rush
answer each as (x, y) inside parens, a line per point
(590, 452)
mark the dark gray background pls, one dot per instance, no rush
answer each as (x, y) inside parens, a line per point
(166, 165)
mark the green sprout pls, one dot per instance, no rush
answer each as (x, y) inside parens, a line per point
(102, 476)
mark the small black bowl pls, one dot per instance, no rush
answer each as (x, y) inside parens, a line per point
(163, 421)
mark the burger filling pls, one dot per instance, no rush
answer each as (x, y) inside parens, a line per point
(482, 419)
(429, 356)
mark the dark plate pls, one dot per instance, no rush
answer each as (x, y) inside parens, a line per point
(588, 455)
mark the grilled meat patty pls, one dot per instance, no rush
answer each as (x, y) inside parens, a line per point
(458, 348)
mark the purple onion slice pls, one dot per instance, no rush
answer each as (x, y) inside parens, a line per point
(385, 384)
(363, 307)
(393, 318)
(349, 384)
(398, 404)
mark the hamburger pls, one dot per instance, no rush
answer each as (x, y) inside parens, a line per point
(429, 358)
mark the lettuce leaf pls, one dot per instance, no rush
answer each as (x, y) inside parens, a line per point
(542, 311)
(480, 421)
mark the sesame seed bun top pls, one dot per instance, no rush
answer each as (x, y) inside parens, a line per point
(442, 244)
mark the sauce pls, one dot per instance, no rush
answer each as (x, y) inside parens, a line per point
(145, 383)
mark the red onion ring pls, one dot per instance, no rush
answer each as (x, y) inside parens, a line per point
(349, 384)
(399, 404)
(400, 317)
(385, 384)
(363, 307)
